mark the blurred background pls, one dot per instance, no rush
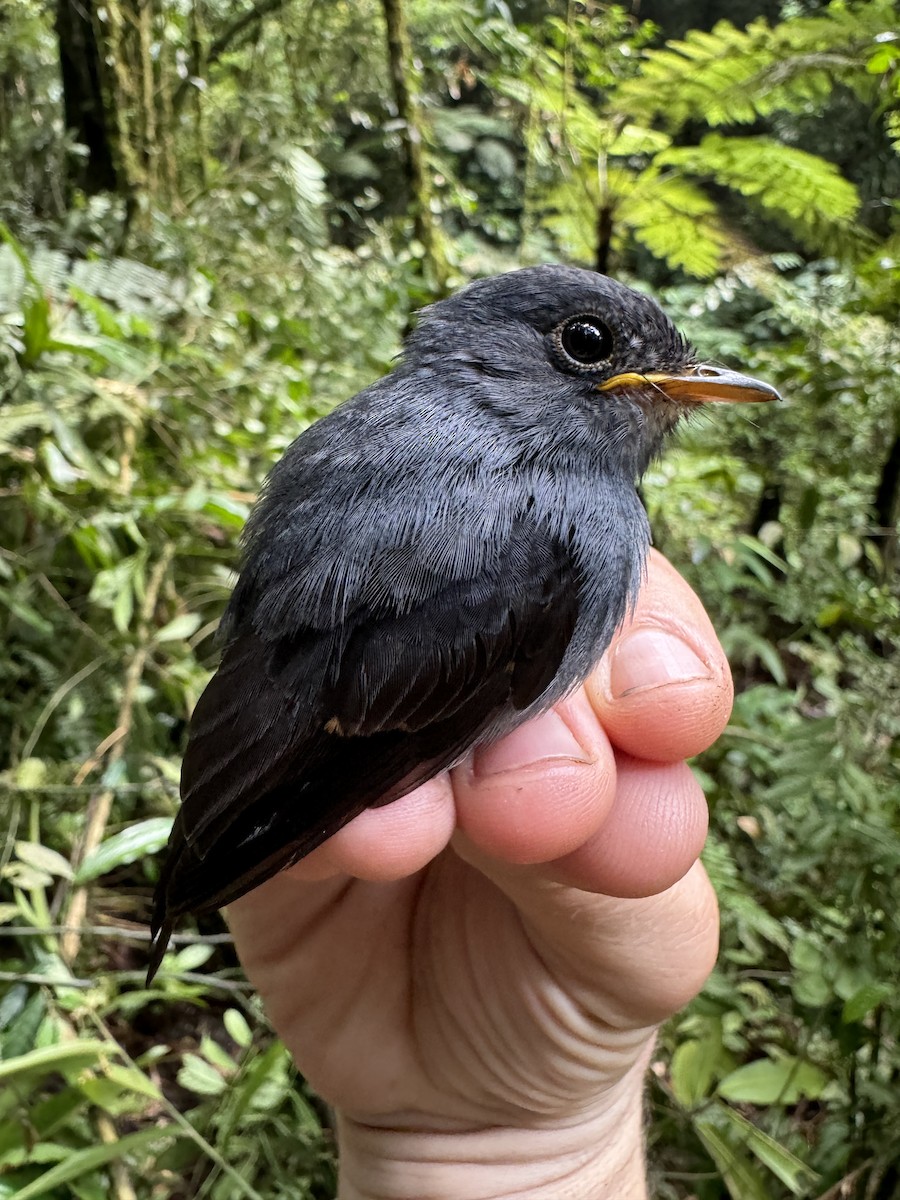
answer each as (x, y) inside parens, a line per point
(216, 221)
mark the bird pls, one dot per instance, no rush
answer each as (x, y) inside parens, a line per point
(436, 561)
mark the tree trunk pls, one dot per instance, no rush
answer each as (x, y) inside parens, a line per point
(401, 69)
(887, 506)
(81, 69)
(604, 239)
(227, 39)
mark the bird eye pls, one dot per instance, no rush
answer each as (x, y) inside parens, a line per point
(585, 341)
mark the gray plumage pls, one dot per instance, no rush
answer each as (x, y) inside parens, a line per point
(435, 561)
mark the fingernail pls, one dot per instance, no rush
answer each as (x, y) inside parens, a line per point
(649, 657)
(544, 739)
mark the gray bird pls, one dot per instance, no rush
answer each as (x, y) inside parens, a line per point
(436, 561)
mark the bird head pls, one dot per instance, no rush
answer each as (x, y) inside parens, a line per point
(571, 360)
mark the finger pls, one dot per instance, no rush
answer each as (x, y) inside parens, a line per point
(652, 836)
(663, 689)
(654, 954)
(541, 791)
(630, 962)
(384, 844)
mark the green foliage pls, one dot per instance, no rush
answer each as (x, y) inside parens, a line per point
(145, 391)
(797, 187)
(804, 783)
(732, 76)
(618, 165)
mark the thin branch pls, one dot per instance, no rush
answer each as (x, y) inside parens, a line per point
(229, 35)
(118, 932)
(100, 804)
(45, 980)
(53, 703)
(235, 986)
(61, 602)
(91, 764)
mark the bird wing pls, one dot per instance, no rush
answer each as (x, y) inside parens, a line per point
(295, 736)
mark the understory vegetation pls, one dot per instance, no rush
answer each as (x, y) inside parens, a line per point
(216, 222)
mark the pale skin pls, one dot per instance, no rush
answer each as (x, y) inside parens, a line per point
(473, 976)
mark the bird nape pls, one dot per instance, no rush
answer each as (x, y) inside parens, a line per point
(436, 561)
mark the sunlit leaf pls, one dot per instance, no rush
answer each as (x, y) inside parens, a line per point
(138, 841)
(773, 1081)
(179, 628)
(197, 1075)
(42, 858)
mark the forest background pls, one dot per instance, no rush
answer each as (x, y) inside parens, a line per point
(217, 219)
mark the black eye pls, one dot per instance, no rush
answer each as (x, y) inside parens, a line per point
(586, 341)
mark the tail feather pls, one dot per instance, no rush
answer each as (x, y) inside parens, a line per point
(160, 934)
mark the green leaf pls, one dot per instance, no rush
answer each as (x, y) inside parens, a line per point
(216, 1056)
(690, 1073)
(192, 956)
(42, 858)
(133, 1079)
(741, 1175)
(123, 610)
(24, 1027)
(883, 60)
(180, 628)
(830, 615)
(807, 191)
(80, 1162)
(12, 1002)
(849, 549)
(64, 1057)
(58, 466)
(773, 1081)
(793, 1172)
(105, 1093)
(237, 1028)
(306, 178)
(637, 139)
(676, 221)
(863, 1001)
(30, 773)
(197, 1075)
(140, 840)
(26, 878)
(733, 76)
(36, 329)
(695, 1065)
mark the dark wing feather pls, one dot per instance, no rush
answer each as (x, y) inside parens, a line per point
(294, 737)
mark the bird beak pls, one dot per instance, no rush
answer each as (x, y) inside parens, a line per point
(697, 385)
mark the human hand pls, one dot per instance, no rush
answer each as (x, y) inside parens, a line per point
(473, 975)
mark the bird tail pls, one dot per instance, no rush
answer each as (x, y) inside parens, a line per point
(160, 933)
(163, 920)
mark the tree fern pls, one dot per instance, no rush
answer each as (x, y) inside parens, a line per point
(733, 76)
(133, 287)
(801, 189)
(618, 159)
(677, 221)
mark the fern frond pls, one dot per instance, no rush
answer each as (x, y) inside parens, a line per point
(733, 76)
(801, 189)
(131, 286)
(306, 179)
(676, 221)
(593, 134)
(459, 129)
(571, 216)
(672, 217)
